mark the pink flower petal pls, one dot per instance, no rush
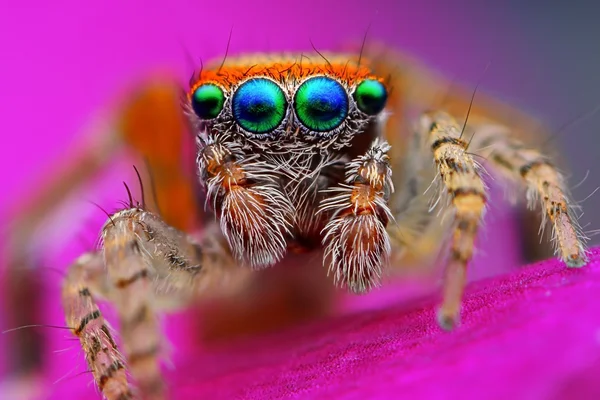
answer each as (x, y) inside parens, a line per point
(533, 334)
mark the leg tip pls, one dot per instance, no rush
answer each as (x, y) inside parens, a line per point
(448, 321)
(576, 261)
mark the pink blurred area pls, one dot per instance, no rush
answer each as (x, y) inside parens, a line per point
(68, 62)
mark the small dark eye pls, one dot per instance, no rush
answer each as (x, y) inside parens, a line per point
(207, 101)
(321, 104)
(259, 105)
(370, 96)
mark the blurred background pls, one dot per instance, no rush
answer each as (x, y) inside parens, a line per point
(66, 63)
(63, 62)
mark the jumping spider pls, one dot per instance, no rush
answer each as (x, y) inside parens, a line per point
(298, 154)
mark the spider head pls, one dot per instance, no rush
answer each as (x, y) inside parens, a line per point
(287, 104)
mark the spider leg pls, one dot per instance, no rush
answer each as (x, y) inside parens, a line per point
(460, 176)
(530, 168)
(86, 278)
(357, 245)
(146, 261)
(416, 87)
(147, 125)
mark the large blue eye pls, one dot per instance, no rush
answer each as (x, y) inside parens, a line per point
(259, 105)
(321, 104)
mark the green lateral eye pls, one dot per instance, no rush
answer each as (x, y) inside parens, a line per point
(207, 101)
(370, 96)
(321, 104)
(259, 105)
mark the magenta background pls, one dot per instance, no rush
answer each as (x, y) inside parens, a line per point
(64, 61)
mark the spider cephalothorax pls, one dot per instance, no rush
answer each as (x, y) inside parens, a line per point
(274, 138)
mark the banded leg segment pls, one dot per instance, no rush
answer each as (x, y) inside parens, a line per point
(146, 260)
(461, 179)
(129, 270)
(85, 278)
(530, 168)
(357, 245)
